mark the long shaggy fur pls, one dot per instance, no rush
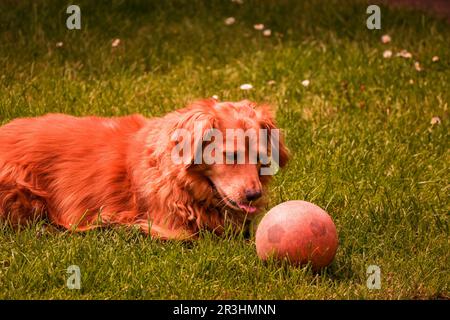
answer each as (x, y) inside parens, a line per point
(87, 172)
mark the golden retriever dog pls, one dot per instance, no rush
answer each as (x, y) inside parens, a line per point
(87, 172)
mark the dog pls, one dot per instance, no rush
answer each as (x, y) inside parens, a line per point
(88, 172)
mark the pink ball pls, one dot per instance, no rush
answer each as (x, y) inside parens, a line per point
(299, 231)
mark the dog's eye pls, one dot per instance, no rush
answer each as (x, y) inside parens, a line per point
(231, 157)
(264, 161)
(264, 165)
(234, 157)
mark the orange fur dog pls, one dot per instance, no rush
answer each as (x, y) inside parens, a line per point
(88, 172)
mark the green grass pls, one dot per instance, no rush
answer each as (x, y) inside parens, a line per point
(360, 135)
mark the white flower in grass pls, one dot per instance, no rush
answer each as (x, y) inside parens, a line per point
(258, 26)
(246, 86)
(271, 82)
(387, 54)
(417, 66)
(115, 43)
(386, 38)
(305, 83)
(229, 21)
(215, 97)
(404, 54)
(267, 33)
(59, 44)
(435, 120)
(435, 59)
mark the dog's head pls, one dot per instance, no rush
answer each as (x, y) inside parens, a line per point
(232, 149)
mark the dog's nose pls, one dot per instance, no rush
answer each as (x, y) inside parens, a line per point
(252, 195)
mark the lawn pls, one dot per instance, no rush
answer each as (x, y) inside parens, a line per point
(363, 143)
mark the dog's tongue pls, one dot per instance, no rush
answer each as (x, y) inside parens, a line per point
(247, 208)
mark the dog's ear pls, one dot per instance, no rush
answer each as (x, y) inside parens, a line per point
(195, 122)
(267, 121)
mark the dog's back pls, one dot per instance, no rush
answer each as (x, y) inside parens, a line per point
(59, 156)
